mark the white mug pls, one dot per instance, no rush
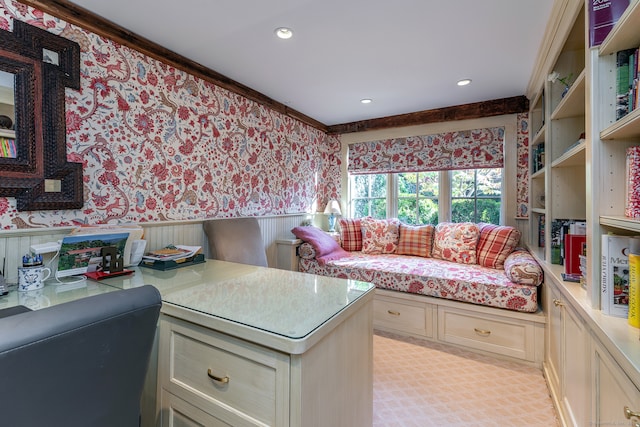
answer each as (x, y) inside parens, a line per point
(32, 278)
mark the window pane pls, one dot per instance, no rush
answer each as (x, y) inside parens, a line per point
(379, 208)
(360, 186)
(428, 184)
(379, 185)
(463, 183)
(368, 195)
(428, 211)
(489, 182)
(407, 211)
(476, 195)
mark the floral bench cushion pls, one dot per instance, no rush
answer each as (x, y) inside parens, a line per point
(435, 277)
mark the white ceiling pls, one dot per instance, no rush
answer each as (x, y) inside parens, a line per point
(406, 55)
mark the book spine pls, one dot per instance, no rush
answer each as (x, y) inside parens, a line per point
(604, 280)
(622, 83)
(634, 282)
(632, 191)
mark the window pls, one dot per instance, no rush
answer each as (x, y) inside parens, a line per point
(368, 195)
(416, 198)
(476, 195)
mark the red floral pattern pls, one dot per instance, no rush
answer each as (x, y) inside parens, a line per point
(158, 144)
(522, 185)
(433, 277)
(477, 148)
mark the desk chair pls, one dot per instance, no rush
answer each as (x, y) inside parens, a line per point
(80, 363)
(236, 240)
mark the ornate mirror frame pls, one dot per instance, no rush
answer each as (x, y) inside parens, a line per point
(40, 177)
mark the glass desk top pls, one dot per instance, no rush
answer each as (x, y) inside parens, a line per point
(282, 302)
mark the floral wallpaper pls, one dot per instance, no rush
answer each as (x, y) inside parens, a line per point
(158, 144)
(477, 148)
(522, 195)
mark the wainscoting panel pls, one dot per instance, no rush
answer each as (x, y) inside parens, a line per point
(15, 243)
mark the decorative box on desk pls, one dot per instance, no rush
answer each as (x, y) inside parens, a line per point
(171, 264)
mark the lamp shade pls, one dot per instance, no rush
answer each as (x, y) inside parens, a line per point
(333, 207)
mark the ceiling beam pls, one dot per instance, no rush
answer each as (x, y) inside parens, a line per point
(476, 110)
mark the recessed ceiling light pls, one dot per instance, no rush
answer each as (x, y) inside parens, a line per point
(464, 82)
(284, 32)
(366, 101)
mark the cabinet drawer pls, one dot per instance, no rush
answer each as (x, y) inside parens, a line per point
(253, 383)
(178, 413)
(404, 316)
(509, 337)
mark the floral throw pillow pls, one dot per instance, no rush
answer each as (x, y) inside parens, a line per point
(495, 244)
(415, 240)
(456, 242)
(351, 233)
(380, 236)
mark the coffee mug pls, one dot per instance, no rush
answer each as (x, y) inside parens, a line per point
(32, 278)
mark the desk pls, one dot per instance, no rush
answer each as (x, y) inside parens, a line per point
(246, 345)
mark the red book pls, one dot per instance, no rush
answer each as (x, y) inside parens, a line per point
(572, 248)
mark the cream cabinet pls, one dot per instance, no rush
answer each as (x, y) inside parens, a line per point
(616, 399)
(242, 345)
(566, 364)
(233, 381)
(287, 253)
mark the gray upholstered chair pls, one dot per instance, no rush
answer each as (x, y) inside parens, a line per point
(236, 240)
(80, 363)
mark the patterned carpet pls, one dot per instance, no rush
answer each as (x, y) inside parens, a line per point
(418, 383)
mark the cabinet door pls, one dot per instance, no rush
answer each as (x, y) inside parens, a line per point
(576, 369)
(554, 340)
(612, 391)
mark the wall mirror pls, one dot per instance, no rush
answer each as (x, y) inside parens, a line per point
(35, 68)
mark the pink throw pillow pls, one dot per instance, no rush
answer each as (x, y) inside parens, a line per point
(415, 240)
(327, 249)
(379, 236)
(456, 242)
(495, 244)
(351, 233)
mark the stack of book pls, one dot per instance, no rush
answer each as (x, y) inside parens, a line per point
(173, 256)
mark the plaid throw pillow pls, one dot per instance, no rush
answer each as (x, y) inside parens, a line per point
(496, 243)
(351, 234)
(415, 240)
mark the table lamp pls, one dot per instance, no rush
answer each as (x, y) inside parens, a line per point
(332, 209)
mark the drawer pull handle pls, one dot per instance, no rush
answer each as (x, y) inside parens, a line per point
(482, 332)
(628, 413)
(221, 380)
(558, 303)
(393, 313)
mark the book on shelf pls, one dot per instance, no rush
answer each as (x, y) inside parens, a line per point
(559, 229)
(538, 157)
(603, 15)
(541, 224)
(573, 248)
(622, 82)
(634, 282)
(632, 183)
(615, 275)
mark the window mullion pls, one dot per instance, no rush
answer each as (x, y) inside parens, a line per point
(392, 195)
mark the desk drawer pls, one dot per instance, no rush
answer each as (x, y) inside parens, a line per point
(252, 386)
(506, 336)
(403, 316)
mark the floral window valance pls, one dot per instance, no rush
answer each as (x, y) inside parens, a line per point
(469, 149)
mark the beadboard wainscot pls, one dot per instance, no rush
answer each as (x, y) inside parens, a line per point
(15, 243)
